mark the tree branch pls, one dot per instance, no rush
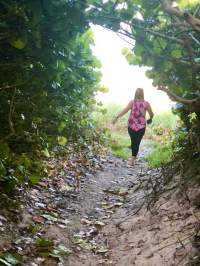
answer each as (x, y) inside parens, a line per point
(194, 22)
(134, 25)
(194, 39)
(188, 47)
(167, 6)
(158, 34)
(115, 4)
(195, 103)
(187, 39)
(11, 125)
(11, 86)
(174, 11)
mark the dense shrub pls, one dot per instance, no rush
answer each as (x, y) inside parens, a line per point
(48, 81)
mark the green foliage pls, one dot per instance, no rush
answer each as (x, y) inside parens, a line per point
(49, 75)
(167, 41)
(42, 242)
(46, 247)
(48, 81)
(104, 114)
(161, 154)
(9, 259)
(117, 138)
(120, 144)
(33, 228)
(165, 119)
(60, 252)
(163, 125)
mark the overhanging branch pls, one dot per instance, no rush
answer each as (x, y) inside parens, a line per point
(167, 6)
(158, 34)
(193, 103)
(174, 11)
(11, 86)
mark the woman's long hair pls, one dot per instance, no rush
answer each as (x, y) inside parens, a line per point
(139, 94)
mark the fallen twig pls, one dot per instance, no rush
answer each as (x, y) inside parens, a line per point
(174, 243)
(179, 263)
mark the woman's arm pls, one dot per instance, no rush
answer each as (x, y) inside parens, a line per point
(151, 114)
(123, 112)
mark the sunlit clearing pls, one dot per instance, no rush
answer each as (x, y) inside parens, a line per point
(121, 78)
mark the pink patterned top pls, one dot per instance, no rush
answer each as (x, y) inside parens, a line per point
(137, 119)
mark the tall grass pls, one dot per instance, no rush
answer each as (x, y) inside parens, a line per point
(104, 115)
(165, 119)
(160, 154)
(119, 139)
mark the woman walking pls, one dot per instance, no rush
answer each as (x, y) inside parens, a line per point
(137, 121)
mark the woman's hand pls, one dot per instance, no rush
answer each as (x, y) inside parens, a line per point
(124, 111)
(149, 121)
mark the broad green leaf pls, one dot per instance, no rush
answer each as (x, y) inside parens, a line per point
(12, 258)
(159, 45)
(4, 150)
(34, 179)
(62, 140)
(18, 43)
(43, 242)
(50, 217)
(61, 127)
(192, 117)
(138, 50)
(197, 60)
(4, 262)
(133, 59)
(96, 63)
(163, 43)
(125, 51)
(148, 61)
(156, 81)
(46, 153)
(102, 250)
(103, 111)
(150, 74)
(61, 65)
(60, 252)
(2, 169)
(176, 53)
(103, 89)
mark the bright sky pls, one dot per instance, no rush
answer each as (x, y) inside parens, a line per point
(121, 78)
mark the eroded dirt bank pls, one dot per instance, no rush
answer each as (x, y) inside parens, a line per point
(111, 221)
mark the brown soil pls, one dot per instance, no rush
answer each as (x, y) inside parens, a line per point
(107, 222)
(149, 238)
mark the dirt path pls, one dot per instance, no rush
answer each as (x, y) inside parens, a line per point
(106, 223)
(159, 237)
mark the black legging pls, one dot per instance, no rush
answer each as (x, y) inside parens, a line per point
(136, 137)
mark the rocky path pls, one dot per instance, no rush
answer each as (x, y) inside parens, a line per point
(109, 222)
